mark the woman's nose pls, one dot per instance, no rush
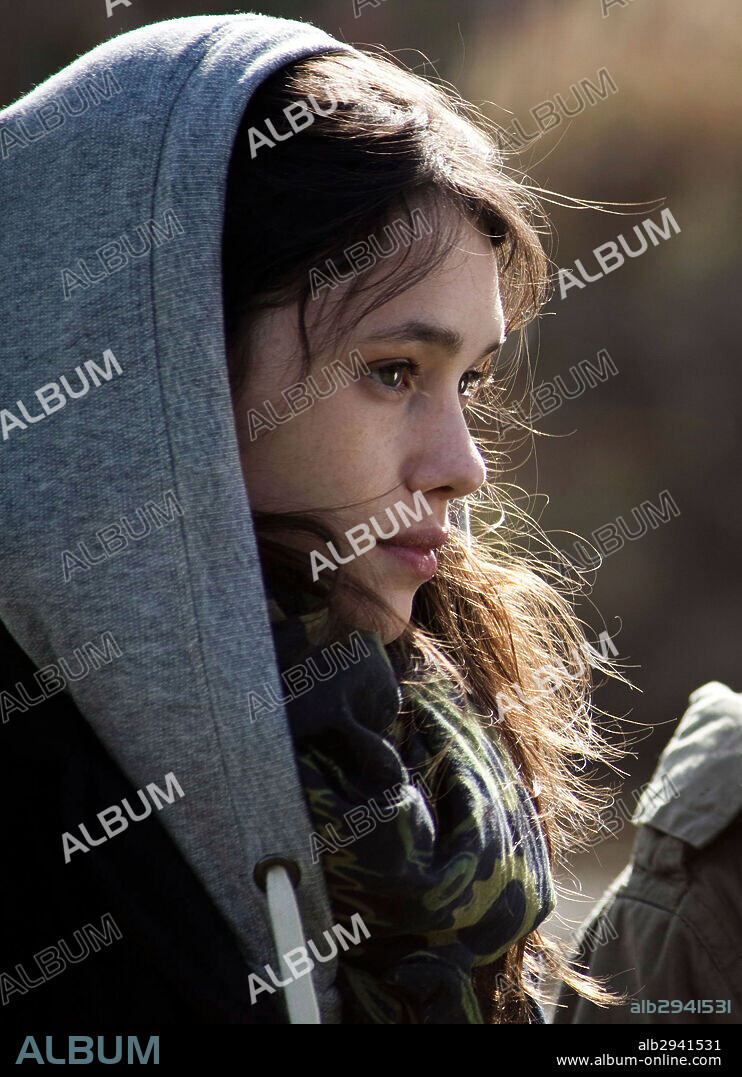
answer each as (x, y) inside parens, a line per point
(448, 460)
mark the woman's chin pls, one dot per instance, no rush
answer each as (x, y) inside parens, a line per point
(389, 625)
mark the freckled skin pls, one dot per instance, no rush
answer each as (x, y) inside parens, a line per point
(379, 439)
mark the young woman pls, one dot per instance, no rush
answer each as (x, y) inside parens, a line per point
(387, 241)
(287, 270)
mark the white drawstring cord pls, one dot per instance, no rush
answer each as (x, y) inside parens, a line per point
(288, 934)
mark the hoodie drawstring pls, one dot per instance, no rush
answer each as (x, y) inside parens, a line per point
(272, 875)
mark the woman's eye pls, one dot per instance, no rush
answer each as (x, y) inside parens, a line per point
(470, 382)
(391, 375)
(399, 374)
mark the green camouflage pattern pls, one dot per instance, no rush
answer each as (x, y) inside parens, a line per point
(447, 872)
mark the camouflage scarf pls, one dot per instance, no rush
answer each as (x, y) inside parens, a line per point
(445, 879)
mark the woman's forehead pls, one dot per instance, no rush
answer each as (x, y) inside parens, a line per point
(456, 292)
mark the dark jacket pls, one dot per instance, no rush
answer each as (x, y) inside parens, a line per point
(669, 929)
(159, 950)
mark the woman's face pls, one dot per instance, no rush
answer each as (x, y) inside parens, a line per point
(386, 437)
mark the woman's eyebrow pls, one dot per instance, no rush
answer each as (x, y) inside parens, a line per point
(416, 332)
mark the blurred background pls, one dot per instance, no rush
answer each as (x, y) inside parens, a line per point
(664, 126)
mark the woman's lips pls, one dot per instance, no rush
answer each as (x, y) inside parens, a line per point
(419, 561)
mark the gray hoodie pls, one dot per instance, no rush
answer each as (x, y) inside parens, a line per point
(123, 515)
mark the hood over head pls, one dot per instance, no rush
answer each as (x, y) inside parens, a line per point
(124, 522)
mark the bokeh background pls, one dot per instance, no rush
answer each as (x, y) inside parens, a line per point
(669, 418)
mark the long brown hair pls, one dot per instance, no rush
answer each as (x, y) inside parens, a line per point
(494, 619)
